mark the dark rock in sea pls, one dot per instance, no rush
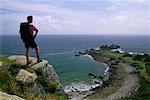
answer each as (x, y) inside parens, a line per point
(77, 55)
(100, 77)
(82, 53)
(97, 82)
(91, 74)
(71, 90)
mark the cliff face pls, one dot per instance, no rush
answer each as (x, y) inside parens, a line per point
(36, 79)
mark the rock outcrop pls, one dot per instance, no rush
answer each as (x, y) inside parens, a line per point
(5, 96)
(26, 76)
(27, 73)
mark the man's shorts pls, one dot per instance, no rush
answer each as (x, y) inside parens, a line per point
(30, 43)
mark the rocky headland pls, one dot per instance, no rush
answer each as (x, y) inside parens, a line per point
(126, 71)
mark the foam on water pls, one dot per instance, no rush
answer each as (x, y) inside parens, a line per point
(89, 56)
(80, 87)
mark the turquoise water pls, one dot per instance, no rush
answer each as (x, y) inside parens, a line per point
(59, 51)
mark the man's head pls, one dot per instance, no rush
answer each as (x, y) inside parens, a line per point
(30, 19)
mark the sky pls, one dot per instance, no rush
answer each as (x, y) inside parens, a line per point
(89, 17)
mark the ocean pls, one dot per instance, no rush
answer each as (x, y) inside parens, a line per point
(59, 51)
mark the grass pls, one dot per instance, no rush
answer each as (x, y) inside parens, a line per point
(51, 97)
(112, 54)
(8, 83)
(144, 89)
(140, 64)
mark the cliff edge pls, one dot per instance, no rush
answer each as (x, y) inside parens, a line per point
(36, 80)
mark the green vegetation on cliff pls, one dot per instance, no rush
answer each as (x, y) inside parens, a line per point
(142, 64)
(10, 85)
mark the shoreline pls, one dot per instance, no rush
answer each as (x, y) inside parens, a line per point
(122, 82)
(78, 91)
(119, 80)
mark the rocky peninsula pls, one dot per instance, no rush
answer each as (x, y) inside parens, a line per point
(129, 75)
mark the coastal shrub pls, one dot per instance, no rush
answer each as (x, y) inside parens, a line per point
(127, 55)
(137, 57)
(147, 59)
(147, 67)
(145, 55)
(5, 60)
(14, 69)
(8, 83)
(31, 70)
(144, 90)
(134, 64)
(147, 64)
(11, 66)
(140, 67)
(120, 58)
(50, 87)
(39, 71)
(5, 77)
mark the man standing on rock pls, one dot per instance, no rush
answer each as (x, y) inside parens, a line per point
(28, 33)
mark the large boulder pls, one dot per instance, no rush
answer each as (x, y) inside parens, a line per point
(5, 96)
(26, 76)
(19, 59)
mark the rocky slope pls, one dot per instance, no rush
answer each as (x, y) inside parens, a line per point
(35, 79)
(5, 96)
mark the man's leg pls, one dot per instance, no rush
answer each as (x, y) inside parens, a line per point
(27, 55)
(37, 49)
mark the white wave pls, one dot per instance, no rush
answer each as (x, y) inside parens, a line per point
(61, 53)
(106, 68)
(80, 87)
(89, 56)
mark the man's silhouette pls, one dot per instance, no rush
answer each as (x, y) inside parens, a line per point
(28, 33)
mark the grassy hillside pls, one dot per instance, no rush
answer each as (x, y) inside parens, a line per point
(142, 64)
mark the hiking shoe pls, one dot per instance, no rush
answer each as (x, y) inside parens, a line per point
(28, 63)
(38, 61)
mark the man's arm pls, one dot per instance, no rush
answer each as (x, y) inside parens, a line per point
(35, 33)
(34, 29)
